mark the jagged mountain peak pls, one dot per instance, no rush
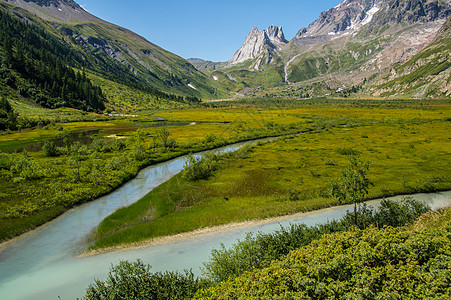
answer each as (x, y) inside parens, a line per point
(258, 41)
(275, 34)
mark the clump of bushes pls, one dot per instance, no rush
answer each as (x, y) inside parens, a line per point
(257, 251)
(394, 263)
(200, 167)
(135, 281)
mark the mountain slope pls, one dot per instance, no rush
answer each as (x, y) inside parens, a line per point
(427, 74)
(40, 66)
(150, 65)
(360, 38)
(347, 45)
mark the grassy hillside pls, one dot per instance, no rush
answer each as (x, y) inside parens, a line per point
(53, 64)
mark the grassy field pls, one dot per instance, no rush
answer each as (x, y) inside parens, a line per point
(409, 150)
(35, 187)
(408, 143)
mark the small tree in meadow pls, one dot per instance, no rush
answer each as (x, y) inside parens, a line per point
(163, 134)
(352, 184)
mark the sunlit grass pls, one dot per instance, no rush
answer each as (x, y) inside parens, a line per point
(409, 148)
(406, 158)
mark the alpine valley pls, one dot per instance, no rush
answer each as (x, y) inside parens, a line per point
(109, 142)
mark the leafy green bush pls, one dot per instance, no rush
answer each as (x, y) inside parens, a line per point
(50, 149)
(135, 281)
(393, 263)
(6, 161)
(101, 144)
(200, 167)
(258, 251)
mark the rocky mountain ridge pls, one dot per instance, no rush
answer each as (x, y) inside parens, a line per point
(56, 10)
(349, 15)
(266, 41)
(426, 74)
(346, 45)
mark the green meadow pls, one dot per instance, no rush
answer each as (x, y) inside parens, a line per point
(409, 149)
(408, 144)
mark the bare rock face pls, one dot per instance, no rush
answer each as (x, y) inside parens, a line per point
(413, 11)
(346, 16)
(350, 15)
(259, 41)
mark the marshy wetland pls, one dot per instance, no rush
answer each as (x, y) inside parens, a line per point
(408, 145)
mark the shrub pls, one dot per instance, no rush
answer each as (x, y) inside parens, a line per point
(100, 144)
(347, 151)
(393, 263)
(50, 149)
(6, 161)
(135, 281)
(119, 144)
(257, 251)
(200, 167)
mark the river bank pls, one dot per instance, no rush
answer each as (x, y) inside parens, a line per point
(48, 274)
(235, 225)
(95, 180)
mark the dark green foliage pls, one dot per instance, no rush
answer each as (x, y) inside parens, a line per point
(197, 168)
(8, 118)
(101, 144)
(258, 251)
(393, 263)
(6, 161)
(47, 65)
(49, 149)
(353, 183)
(135, 281)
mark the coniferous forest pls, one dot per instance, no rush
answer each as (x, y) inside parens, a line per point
(52, 73)
(40, 66)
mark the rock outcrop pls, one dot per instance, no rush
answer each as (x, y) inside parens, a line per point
(347, 16)
(259, 41)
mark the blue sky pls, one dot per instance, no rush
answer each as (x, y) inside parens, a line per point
(208, 29)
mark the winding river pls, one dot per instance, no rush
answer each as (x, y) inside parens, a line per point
(44, 264)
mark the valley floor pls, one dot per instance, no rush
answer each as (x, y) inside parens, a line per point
(407, 143)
